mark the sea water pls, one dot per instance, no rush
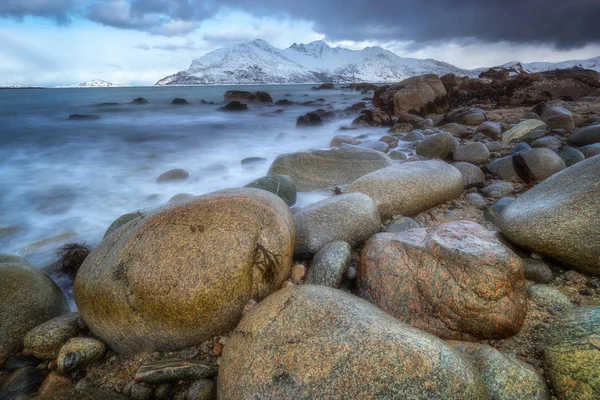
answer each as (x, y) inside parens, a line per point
(73, 178)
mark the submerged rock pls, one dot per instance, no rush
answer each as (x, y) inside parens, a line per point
(173, 175)
(234, 106)
(313, 341)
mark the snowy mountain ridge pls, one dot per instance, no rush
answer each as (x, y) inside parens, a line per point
(95, 83)
(257, 62)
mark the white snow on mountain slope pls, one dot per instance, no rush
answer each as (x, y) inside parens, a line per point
(592, 63)
(257, 62)
(96, 83)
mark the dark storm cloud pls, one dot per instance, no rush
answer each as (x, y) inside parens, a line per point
(563, 23)
(58, 10)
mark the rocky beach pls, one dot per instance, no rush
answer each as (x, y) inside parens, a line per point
(437, 238)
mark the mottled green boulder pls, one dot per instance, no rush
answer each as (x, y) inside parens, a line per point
(310, 341)
(281, 185)
(122, 220)
(45, 340)
(505, 376)
(573, 354)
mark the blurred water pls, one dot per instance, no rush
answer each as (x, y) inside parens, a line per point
(59, 176)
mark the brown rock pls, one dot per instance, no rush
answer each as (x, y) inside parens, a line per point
(45, 340)
(420, 94)
(183, 273)
(262, 97)
(311, 341)
(54, 382)
(78, 353)
(455, 280)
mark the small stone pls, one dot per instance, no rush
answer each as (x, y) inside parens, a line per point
(475, 153)
(350, 273)
(54, 382)
(141, 391)
(402, 127)
(201, 390)
(78, 353)
(329, 264)
(413, 136)
(174, 370)
(570, 155)
(546, 141)
(341, 139)
(472, 175)
(490, 129)
(537, 271)
(217, 349)
(493, 146)
(575, 277)
(281, 185)
(397, 155)
(440, 145)
(401, 224)
(298, 273)
(163, 391)
(548, 297)
(45, 340)
(173, 175)
(477, 201)
(526, 131)
(498, 190)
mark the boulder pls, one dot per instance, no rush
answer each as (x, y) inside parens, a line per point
(475, 153)
(319, 169)
(340, 139)
(309, 119)
(572, 354)
(373, 118)
(420, 94)
(313, 341)
(262, 97)
(183, 273)
(173, 175)
(472, 174)
(78, 353)
(252, 162)
(329, 264)
(558, 217)
(470, 118)
(401, 127)
(525, 131)
(538, 164)
(281, 185)
(584, 136)
(83, 117)
(409, 188)
(234, 106)
(440, 145)
(505, 168)
(547, 141)
(179, 101)
(494, 146)
(326, 86)
(570, 155)
(45, 340)
(122, 220)
(452, 128)
(29, 298)
(139, 100)
(413, 136)
(351, 217)
(377, 146)
(491, 129)
(505, 376)
(398, 155)
(549, 297)
(456, 280)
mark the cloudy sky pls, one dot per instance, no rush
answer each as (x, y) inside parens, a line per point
(59, 42)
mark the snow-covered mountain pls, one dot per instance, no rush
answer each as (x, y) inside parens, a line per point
(257, 62)
(96, 83)
(592, 63)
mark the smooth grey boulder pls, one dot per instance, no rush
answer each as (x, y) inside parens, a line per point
(409, 188)
(401, 224)
(546, 141)
(505, 168)
(440, 145)
(320, 169)
(475, 153)
(351, 217)
(329, 264)
(472, 174)
(538, 164)
(570, 155)
(584, 136)
(559, 216)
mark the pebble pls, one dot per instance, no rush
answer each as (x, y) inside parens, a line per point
(298, 273)
(174, 370)
(537, 271)
(78, 353)
(575, 277)
(201, 390)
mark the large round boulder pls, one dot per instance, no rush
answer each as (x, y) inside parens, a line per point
(455, 280)
(558, 217)
(535, 165)
(183, 273)
(573, 354)
(319, 169)
(351, 217)
(313, 341)
(28, 298)
(409, 188)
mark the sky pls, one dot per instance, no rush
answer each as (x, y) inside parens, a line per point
(138, 42)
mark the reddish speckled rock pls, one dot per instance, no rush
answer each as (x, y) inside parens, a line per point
(182, 274)
(316, 342)
(456, 281)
